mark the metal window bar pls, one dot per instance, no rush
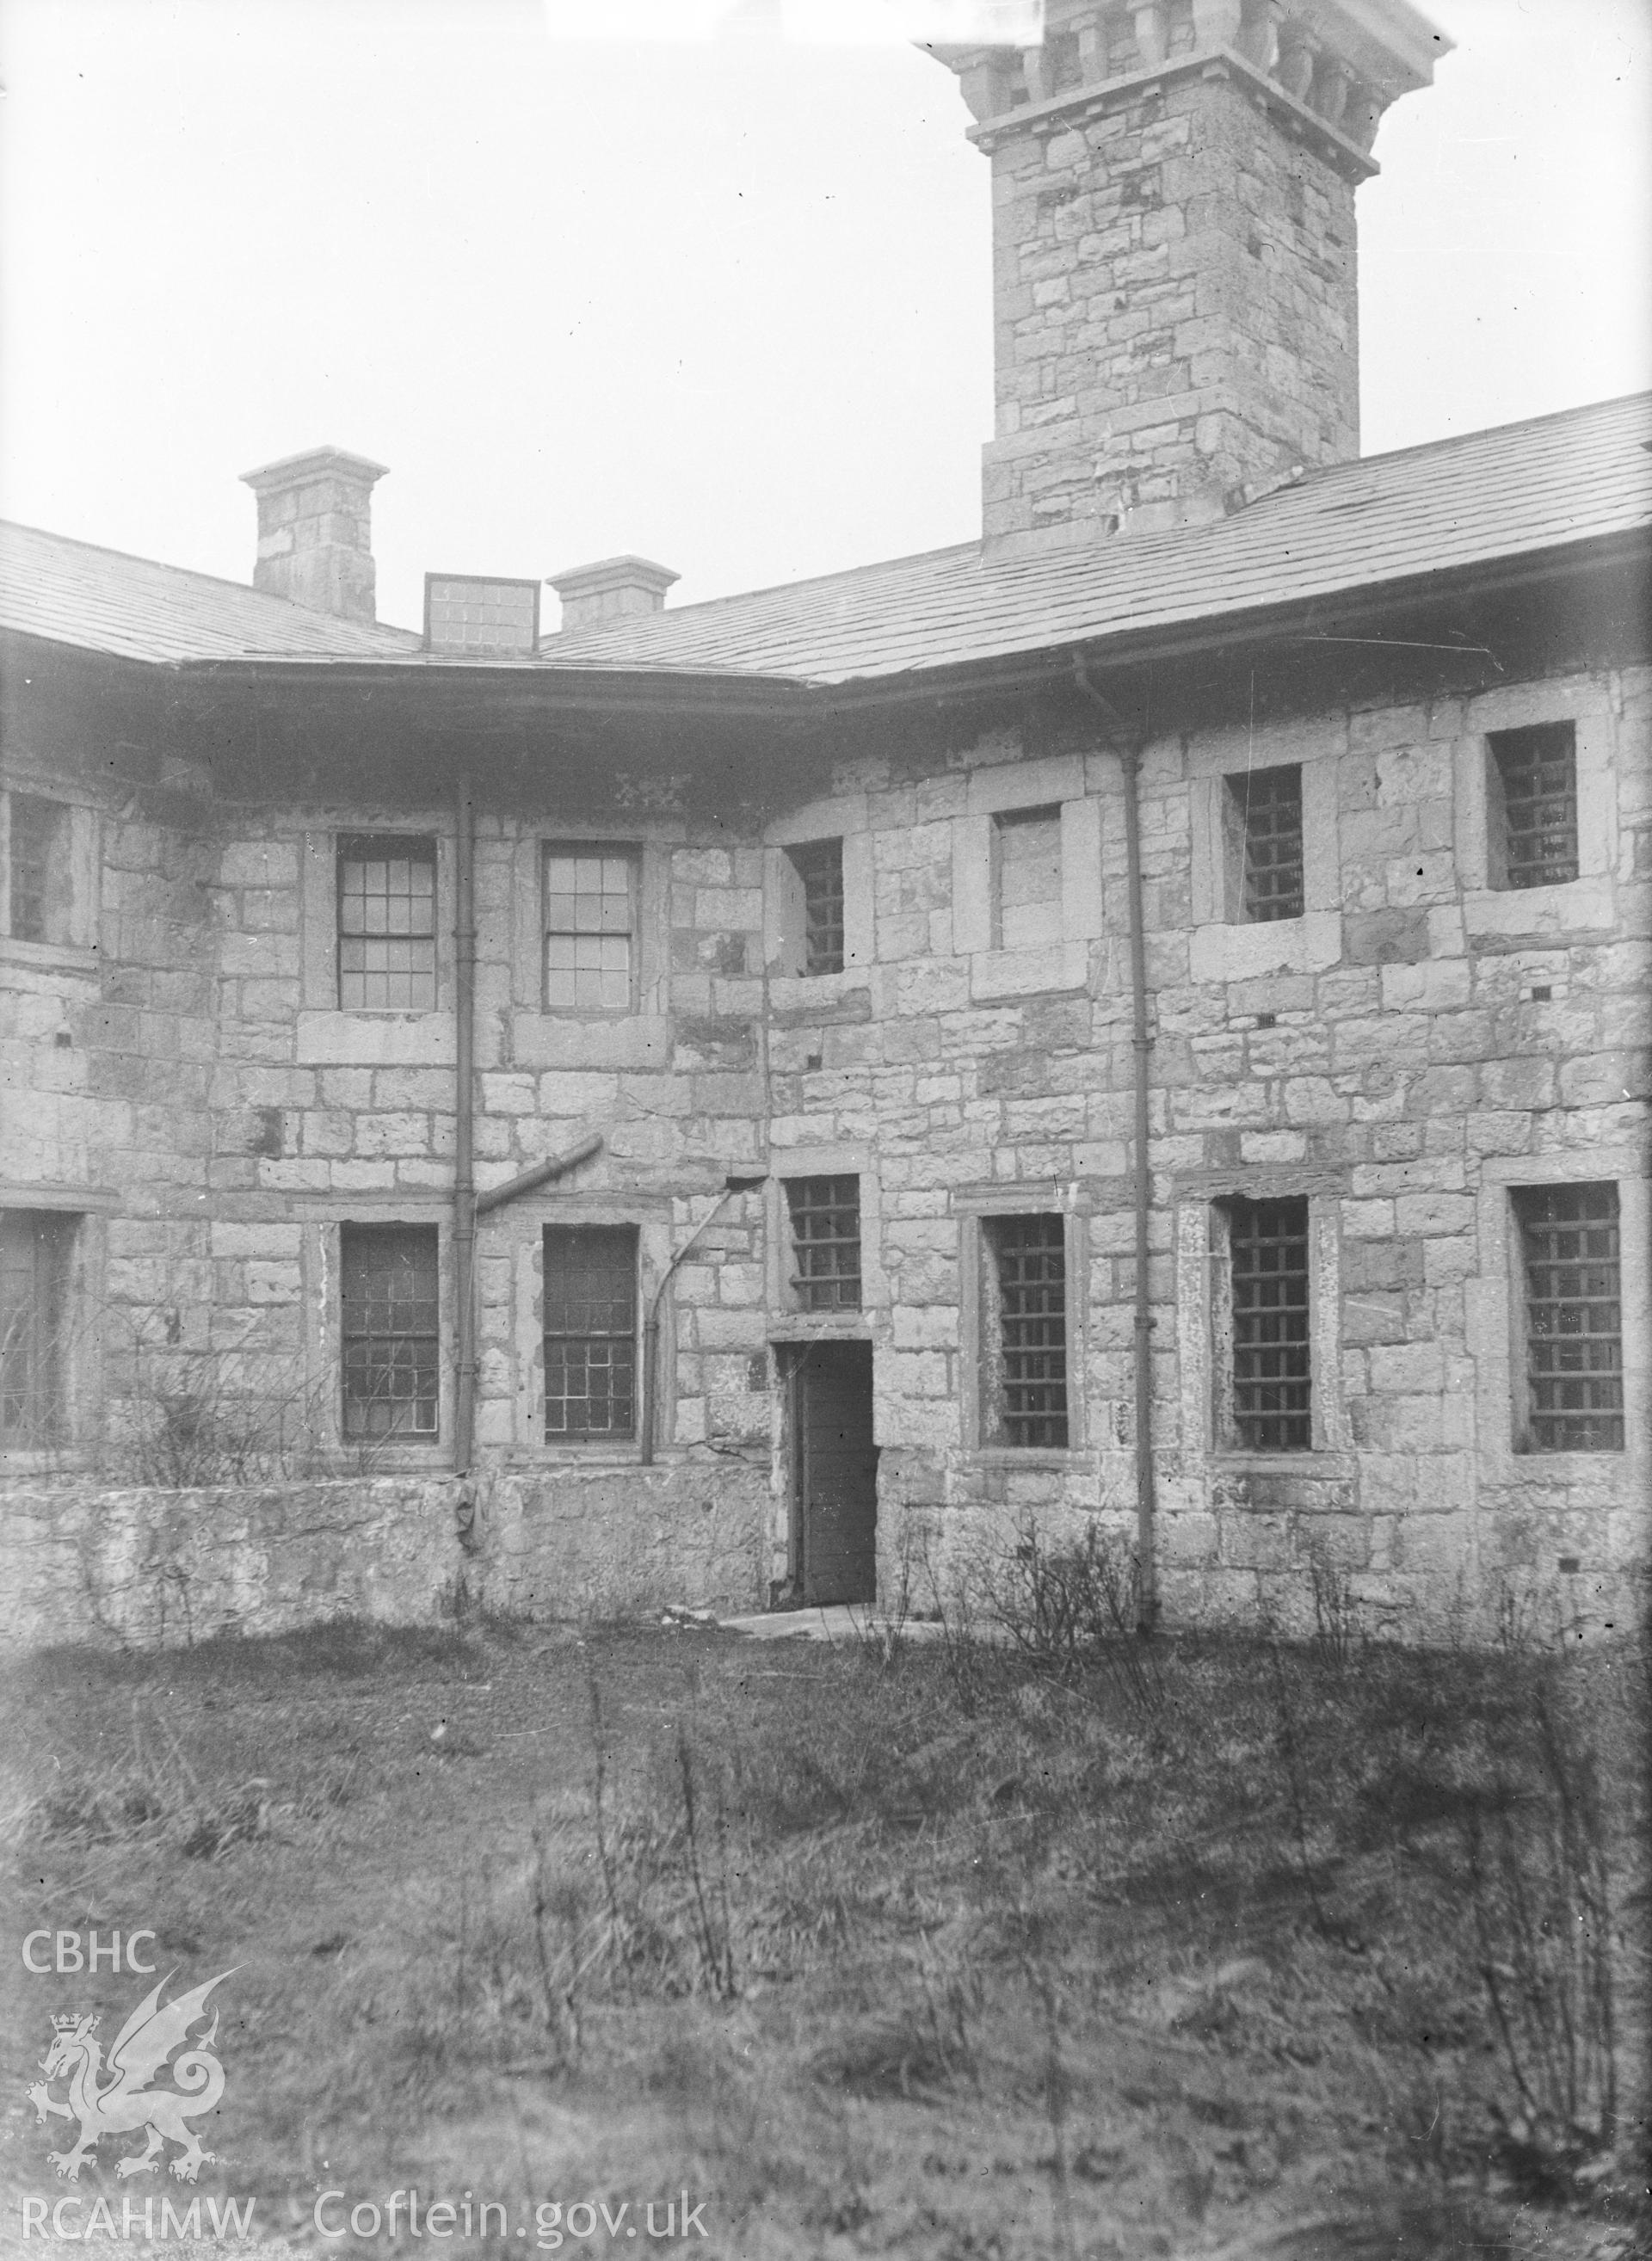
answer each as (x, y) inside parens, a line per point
(820, 866)
(590, 1303)
(34, 824)
(34, 1247)
(1031, 1256)
(589, 922)
(1269, 803)
(391, 1335)
(387, 926)
(1271, 1373)
(826, 1242)
(1574, 1319)
(1538, 768)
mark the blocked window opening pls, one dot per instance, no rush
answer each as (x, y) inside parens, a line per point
(1025, 1330)
(35, 1248)
(819, 865)
(1263, 825)
(1532, 806)
(1270, 1399)
(590, 930)
(387, 925)
(590, 1304)
(389, 1329)
(1574, 1319)
(825, 1243)
(40, 893)
(1026, 878)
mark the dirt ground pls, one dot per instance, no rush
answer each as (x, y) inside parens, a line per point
(879, 1947)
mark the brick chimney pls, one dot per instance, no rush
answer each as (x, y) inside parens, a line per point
(314, 544)
(1176, 319)
(611, 589)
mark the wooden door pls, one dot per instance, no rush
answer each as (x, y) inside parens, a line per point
(837, 1466)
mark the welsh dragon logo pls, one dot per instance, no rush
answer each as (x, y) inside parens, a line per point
(114, 2099)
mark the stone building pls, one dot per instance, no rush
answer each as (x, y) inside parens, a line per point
(1140, 1021)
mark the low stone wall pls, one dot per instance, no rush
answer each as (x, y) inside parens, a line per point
(152, 1568)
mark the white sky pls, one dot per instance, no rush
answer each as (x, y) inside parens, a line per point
(725, 304)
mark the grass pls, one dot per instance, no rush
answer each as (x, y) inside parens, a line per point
(926, 1948)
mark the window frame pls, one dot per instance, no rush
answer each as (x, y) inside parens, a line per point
(61, 1236)
(394, 1438)
(628, 852)
(1007, 1237)
(387, 842)
(1228, 1421)
(1501, 748)
(804, 857)
(1239, 801)
(628, 1440)
(1522, 1197)
(798, 1280)
(1006, 824)
(975, 1208)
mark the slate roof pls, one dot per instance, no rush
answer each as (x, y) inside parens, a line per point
(1503, 493)
(133, 608)
(1513, 491)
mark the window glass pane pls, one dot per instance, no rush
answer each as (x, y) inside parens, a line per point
(387, 925)
(1029, 1258)
(589, 1331)
(825, 1243)
(35, 1246)
(1574, 1319)
(389, 1328)
(1272, 1358)
(590, 899)
(1537, 769)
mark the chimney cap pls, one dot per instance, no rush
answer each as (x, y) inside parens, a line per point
(311, 464)
(627, 572)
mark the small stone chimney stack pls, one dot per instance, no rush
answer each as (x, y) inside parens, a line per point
(611, 589)
(314, 542)
(1176, 318)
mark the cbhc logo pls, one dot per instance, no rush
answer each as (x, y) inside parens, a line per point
(64, 1951)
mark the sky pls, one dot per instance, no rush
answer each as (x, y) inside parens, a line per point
(723, 301)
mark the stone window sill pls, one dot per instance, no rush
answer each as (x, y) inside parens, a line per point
(1229, 1459)
(1030, 1456)
(50, 957)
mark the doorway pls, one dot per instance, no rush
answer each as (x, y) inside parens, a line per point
(835, 1472)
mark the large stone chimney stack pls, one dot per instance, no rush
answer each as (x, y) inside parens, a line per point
(1173, 251)
(314, 542)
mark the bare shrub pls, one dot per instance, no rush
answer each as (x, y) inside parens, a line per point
(1068, 1611)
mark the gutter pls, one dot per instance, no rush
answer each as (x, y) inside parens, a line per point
(1129, 750)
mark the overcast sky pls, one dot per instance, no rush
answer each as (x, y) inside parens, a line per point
(723, 303)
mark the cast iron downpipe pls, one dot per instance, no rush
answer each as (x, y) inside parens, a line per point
(1129, 751)
(464, 1124)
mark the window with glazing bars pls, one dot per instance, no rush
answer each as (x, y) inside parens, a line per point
(34, 1252)
(589, 928)
(1537, 775)
(387, 925)
(1574, 1319)
(1028, 1259)
(820, 866)
(825, 1243)
(391, 1333)
(1267, 818)
(589, 1331)
(1268, 1253)
(36, 858)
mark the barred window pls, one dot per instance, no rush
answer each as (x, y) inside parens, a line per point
(1265, 834)
(1574, 1319)
(590, 1285)
(1534, 814)
(35, 1245)
(1026, 878)
(387, 925)
(391, 1336)
(38, 859)
(825, 1243)
(1026, 1344)
(820, 866)
(590, 929)
(1267, 1256)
